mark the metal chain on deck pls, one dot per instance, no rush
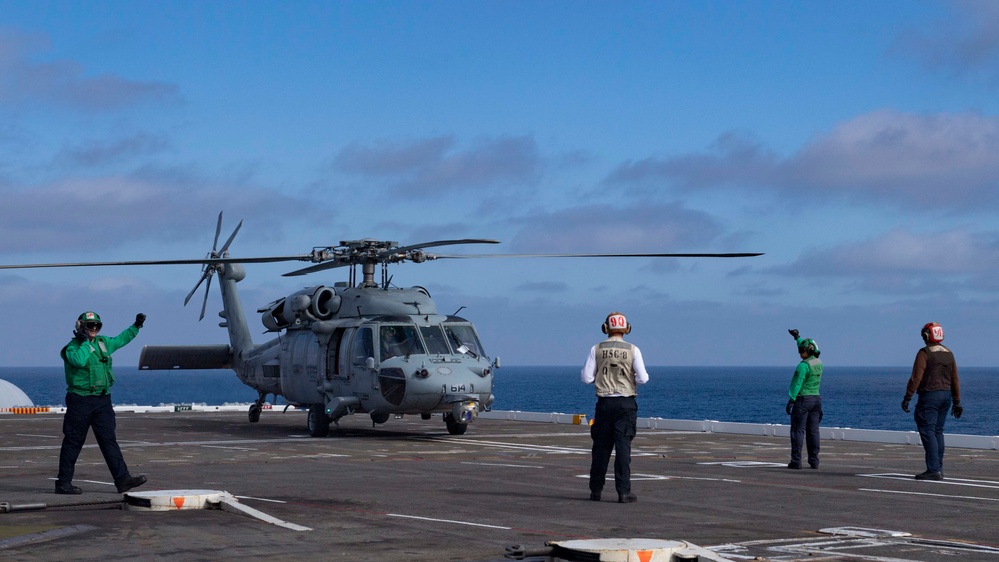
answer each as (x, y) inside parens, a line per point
(7, 507)
(118, 501)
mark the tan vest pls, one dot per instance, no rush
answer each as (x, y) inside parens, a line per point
(615, 372)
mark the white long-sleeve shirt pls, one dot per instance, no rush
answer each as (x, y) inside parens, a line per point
(589, 372)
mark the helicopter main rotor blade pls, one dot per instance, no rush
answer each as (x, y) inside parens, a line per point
(318, 267)
(382, 255)
(446, 243)
(637, 255)
(341, 263)
(200, 261)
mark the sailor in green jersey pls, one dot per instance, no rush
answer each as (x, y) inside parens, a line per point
(87, 362)
(804, 403)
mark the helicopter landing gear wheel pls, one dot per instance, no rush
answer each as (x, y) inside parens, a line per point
(319, 422)
(257, 407)
(454, 427)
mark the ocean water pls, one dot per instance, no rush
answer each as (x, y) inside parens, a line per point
(855, 397)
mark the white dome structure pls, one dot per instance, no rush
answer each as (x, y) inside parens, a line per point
(11, 396)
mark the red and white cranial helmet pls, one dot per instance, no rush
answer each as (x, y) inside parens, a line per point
(932, 332)
(616, 322)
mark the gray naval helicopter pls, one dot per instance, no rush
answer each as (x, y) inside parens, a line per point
(360, 346)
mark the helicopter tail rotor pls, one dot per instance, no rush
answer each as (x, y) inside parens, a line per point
(208, 270)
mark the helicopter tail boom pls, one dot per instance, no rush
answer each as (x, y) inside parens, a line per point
(170, 357)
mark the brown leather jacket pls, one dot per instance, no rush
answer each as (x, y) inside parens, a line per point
(934, 369)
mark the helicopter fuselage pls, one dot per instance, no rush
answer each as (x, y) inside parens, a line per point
(342, 350)
(392, 364)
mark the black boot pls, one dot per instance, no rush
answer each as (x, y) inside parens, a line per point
(67, 488)
(130, 482)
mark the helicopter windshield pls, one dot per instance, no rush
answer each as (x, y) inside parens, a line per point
(399, 341)
(463, 335)
(436, 342)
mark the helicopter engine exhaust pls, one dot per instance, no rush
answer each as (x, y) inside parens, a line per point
(309, 304)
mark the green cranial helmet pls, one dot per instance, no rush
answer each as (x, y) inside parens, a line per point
(88, 317)
(808, 346)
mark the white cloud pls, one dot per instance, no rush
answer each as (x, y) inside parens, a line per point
(956, 263)
(901, 251)
(102, 152)
(438, 165)
(120, 209)
(599, 228)
(24, 81)
(946, 161)
(966, 42)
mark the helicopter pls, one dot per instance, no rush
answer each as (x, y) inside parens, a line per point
(356, 346)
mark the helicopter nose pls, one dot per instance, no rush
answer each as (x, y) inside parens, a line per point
(439, 385)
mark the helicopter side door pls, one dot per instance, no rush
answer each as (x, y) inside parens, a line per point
(337, 376)
(357, 355)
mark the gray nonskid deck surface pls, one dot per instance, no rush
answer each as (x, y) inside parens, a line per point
(408, 491)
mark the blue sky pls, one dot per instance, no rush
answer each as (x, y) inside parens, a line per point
(855, 143)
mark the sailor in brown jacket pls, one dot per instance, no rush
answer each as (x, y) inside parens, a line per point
(934, 379)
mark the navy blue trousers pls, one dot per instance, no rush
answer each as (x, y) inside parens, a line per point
(931, 413)
(805, 418)
(82, 414)
(614, 426)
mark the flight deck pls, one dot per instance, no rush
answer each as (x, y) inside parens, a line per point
(407, 490)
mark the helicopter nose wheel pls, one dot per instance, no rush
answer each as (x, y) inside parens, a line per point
(454, 427)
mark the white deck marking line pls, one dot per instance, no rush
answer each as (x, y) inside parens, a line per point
(929, 494)
(449, 521)
(229, 447)
(506, 465)
(310, 456)
(87, 481)
(668, 477)
(952, 481)
(125, 444)
(747, 464)
(544, 448)
(40, 436)
(259, 499)
(826, 547)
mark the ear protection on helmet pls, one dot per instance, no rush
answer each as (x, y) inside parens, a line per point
(616, 322)
(932, 332)
(810, 346)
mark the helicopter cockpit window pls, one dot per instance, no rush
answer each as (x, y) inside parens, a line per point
(463, 336)
(399, 341)
(436, 342)
(363, 347)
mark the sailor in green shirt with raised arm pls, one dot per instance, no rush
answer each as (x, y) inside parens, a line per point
(804, 403)
(87, 362)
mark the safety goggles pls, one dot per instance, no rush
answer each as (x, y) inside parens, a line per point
(93, 326)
